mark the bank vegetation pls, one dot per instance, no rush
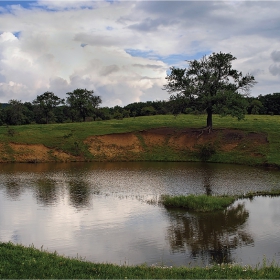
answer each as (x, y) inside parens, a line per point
(253, 141)
(19, 262)
(208, 203)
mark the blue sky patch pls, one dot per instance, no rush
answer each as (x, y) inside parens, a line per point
(24, 4)
(173, 59)
(17, 34)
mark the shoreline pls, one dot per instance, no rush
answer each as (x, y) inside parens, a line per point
(20, 262)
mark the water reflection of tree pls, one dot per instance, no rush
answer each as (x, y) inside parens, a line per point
(208, 175)
(210, 236)
(46, 191)
(80, 193)
(13, 188)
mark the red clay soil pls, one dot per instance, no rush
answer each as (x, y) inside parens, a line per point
(111, 146)
(132, 146)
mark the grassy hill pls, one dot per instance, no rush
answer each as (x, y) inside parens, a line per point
(255, 140)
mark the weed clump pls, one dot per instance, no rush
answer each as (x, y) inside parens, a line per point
(200, 203)
(205, 151)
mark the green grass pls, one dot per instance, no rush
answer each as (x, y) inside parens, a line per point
(205, 203)
(69, 137)
(19, 262)
(199, 203)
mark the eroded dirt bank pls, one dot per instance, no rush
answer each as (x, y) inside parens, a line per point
(154, 144)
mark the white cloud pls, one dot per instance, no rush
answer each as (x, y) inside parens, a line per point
(122, 49)
(274, 68)
(275, 55)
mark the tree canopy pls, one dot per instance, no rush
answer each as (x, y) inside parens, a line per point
(82, 102)
(212, 85)
(47, 102)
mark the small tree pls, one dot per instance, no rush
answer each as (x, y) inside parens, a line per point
(83, 102)
(212, 85)
(46, 102)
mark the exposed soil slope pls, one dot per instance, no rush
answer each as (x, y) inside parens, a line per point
(158, 144)
(15, 152)
(129, 146)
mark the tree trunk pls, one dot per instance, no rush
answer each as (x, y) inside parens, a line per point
(209, 122)
(209, 118)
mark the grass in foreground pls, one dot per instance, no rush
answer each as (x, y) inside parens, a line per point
(204, 203)
(17, 261)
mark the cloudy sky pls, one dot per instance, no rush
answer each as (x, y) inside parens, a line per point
(123, 49)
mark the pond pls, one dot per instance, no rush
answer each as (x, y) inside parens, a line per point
(109, 212)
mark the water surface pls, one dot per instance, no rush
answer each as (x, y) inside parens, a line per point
(108, 212)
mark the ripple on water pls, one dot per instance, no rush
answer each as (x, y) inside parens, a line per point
(106, 212)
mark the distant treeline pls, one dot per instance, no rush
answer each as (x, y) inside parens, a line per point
(82, 105)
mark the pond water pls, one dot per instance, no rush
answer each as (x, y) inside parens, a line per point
(108, 212)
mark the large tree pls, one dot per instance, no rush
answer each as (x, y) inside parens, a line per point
(46, 102)
(82, 102)
(212, 85)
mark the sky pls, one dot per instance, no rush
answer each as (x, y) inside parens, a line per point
(123, 50)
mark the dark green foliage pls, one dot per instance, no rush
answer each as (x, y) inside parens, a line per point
(103, 113)
(255, 107)
(148, 108)
(178, 105)
(46, 103)
(62, 114)
(15, 113)
(270, 104)
(118, 116)
(82, 103)
(230, 104)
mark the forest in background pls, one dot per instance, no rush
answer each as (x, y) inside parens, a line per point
(82, 105)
